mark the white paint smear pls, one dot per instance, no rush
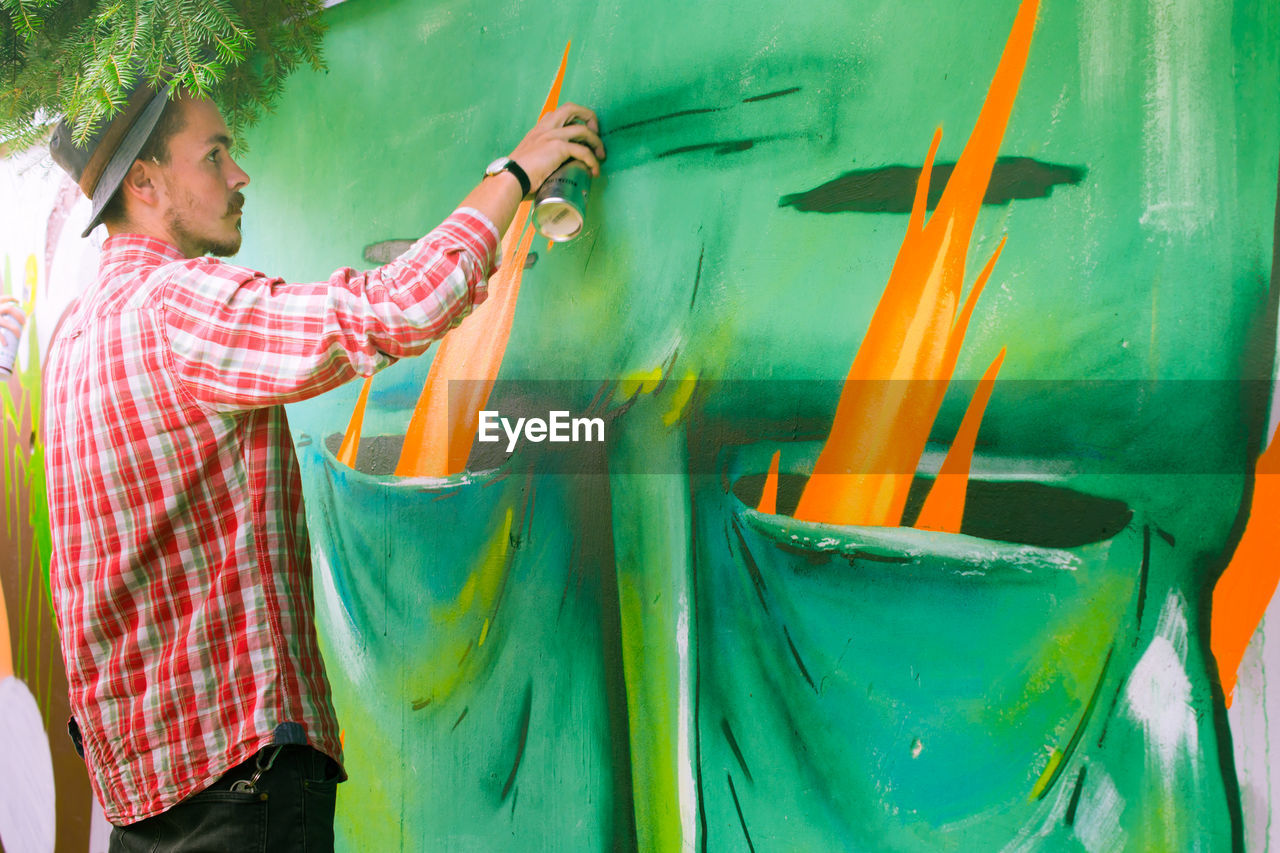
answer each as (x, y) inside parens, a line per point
(1159, 691)
(26, 772)
(1097, 822)
(1180, 157)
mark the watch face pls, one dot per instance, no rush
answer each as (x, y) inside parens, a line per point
(496, 166)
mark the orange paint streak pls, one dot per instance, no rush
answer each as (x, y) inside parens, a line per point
(769, 497)
(1245, 589)
(944, 508)
(895, 387)
(6, 647)
(350, 448)
(438, 439)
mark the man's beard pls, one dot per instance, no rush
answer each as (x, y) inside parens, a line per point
(209, 245)
(227, 248)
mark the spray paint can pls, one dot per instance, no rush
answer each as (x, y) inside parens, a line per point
(560, 206)
(8, 352)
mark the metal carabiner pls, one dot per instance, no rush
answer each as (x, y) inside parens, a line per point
(250, 785)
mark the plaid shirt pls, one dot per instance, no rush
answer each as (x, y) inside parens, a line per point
(181, 568)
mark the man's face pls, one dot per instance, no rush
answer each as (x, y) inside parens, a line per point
(202, 198)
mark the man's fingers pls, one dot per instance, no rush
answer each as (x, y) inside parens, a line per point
(12, 318)
(580, 133)
(578, 151)
(558, 117)
(570, 114)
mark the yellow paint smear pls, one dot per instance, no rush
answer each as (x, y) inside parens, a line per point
(769, 496)
(1245, 589)
(1055, 758)
(350, 449)
(944, 508)
(639, 382)
(681, 397)
(455, 621)
(443, 427)
(898, 378)
(31, 284)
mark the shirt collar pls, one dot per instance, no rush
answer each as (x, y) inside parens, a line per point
(139, 247)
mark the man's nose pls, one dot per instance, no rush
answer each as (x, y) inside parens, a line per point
(237, 177)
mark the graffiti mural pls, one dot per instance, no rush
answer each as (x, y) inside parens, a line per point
(809, 592)
(932, 346)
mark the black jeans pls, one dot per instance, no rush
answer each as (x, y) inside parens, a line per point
(290, 808)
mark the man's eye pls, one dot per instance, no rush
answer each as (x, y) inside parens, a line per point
(213, 155)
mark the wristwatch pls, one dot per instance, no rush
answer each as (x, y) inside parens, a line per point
(506, 164)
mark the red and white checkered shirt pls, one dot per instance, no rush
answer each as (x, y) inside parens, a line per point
(181, 568)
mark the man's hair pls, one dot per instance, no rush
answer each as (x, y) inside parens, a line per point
(156, 148)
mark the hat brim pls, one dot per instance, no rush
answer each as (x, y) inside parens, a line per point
(122, 160)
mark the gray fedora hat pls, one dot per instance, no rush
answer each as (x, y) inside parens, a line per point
(101, 163)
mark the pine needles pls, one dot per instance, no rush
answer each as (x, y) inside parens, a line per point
(79, 58)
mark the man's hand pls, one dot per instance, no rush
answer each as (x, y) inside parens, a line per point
(571, 132)
(12, 317)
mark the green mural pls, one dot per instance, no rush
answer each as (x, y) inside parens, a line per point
(612, 646)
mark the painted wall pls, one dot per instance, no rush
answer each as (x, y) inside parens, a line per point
(618, 645)
(706, 673)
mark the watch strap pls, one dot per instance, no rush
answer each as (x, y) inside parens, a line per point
(521, 175)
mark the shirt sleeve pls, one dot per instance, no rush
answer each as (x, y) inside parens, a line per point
(242, 340)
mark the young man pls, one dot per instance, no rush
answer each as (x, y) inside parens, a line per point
(181, 567)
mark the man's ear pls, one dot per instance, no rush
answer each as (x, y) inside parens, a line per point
(142, 184)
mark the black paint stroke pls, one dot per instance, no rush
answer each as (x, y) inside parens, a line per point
(655, 119)
(1080, 727)
(1111, 712)
(733, 792)
(461, 717)
(419, 704)
(800, 663)
(753, 568)
(892, 189)
(591, 253)
(1070, 817)
(1143, 575)
(526, 711)
(697, 277)
(1167, 536)
(737, 752)
(1038, 514)
(768, 95)
(573, 578)
(731, 146)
